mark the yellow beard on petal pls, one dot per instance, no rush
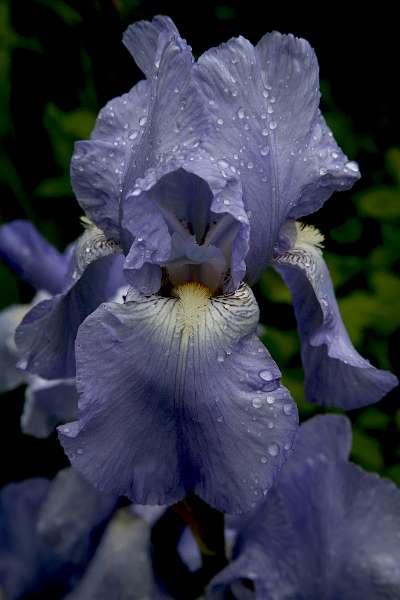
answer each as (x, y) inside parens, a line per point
(193, 299)
(308, 234)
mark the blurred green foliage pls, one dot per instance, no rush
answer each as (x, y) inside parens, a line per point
(361, 227)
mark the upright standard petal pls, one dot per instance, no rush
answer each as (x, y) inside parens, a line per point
(327, 530)
(148, 143)
(32, 258)
(193, 393)
(142, 41)
(98, 165)
(173, 176)
(48, 404)
(268, 129)
(335, 374)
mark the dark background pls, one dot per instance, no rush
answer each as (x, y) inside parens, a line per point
(60, 62)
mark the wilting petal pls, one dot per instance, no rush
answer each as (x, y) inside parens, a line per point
(264, 103)
(10, 376)
(48, 404)
(194, 395)
(73, 517)
(335, 374)
(121, 567)
(24, 559)
(142, 41)
(327, 530)
(32, 258)
(46, 336)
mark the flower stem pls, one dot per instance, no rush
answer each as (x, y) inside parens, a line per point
(207, 526)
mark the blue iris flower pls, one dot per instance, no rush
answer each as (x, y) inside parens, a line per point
(195, 179)
(47, 402)
(328, 529)
(62, 539)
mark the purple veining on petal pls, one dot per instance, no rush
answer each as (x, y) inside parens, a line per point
(206, 414)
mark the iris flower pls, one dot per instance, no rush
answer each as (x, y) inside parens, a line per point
(197, 176)
(47, 403)
(63, 539)
(328, 529)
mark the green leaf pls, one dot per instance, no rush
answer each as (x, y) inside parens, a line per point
(66, 13)
(8, 287)
(65, 128)
(274, 288)
(397, 418)
(387, 286)
(282, 344)
(224, 13)
(380, 203)
(349, 232)
(343, 268)
(366, 451)
(372, 418)
(54, 188)
(393, 163)
(362, 310)
(393, 473)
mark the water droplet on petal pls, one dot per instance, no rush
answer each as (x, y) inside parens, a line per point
(223, 164)
(266, 375)
(264, 151)
(352, 166)
(220, 121)
(240, 113)
(273, 125)
(142, 121)
(265, 132)
(250, 165)
(220, 358)
(264, 460)
(287, 409)
(257, 402)
(273, 449)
